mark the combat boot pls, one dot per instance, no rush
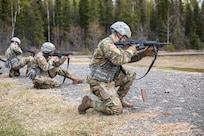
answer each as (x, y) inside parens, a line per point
(126, 104)
(85, 105)
(17, 72)
(11, 72)
(76, 80)
(27, 70)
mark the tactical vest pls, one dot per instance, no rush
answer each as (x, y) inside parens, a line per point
(104, 73)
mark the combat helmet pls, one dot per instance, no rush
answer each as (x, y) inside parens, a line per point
(47, 47)
(122, 28)
(16, 39)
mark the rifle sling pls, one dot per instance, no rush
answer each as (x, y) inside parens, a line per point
(2, 60)
(64, 72)
(155, 57)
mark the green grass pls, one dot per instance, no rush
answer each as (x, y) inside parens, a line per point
(9, 126)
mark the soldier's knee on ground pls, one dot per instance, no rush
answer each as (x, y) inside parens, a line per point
(14, 72)
(45, 83)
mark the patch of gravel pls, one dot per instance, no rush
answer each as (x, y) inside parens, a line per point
(176, 98)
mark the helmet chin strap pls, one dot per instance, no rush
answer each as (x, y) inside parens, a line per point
(116, 34)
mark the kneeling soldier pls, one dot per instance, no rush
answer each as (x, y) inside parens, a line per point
(13, 61)
(45, 67)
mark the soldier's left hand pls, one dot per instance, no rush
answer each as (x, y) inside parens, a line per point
(54, 58)
(68, 56)
(150, 52)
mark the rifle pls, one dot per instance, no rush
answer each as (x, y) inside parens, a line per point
(27, 50)
(62, 54)
(143, 45)
(2, 60)
(59, 55)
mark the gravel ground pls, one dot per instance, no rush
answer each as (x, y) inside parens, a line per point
(175, 101)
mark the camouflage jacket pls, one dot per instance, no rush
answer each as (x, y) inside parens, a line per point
(43, 65)
(107, 51)
(13, 51)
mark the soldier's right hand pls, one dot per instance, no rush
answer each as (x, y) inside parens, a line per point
(54, 58)
(133, 48)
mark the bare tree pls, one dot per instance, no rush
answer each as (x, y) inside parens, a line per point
(15, 9)
(76, 36)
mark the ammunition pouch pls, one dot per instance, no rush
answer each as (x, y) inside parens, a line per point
(11, 63)
(32, 74)
(8, 64)
(105, 73)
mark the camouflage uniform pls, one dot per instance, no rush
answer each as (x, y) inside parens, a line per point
(110, 100)
(46, 70)
(14, 62)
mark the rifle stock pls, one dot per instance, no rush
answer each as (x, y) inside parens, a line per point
(2, 60)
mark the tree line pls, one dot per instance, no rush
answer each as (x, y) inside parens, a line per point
(78, 25)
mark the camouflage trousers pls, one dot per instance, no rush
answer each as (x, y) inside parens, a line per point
(110, 99)
(47, 80)
(43, 82)
(23, 61)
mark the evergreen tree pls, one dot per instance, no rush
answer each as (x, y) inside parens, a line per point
(84, 13)
(5, 24)
(32, 36)
(102, 20)
(202, 23)
(129, 14)
(153, 23)
(74, 13)
(94, 10)
(5, 19)
(109, 18)
(163, 12)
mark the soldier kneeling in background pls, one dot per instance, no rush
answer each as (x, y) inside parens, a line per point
(45, 67)
(13, 61)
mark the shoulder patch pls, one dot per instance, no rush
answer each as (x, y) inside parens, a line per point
(41, 58)
(112, 46)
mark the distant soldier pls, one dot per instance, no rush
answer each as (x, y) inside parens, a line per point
(45, 67)
(13, 59)
(107, 73)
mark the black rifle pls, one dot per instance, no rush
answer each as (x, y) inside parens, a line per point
(2, 60)
(59, 55)
(143, 45)
(62, 54)
(27, 50)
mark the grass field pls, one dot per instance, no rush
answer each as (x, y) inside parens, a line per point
(25, 111)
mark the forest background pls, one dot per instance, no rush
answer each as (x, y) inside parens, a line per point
(78, 25)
